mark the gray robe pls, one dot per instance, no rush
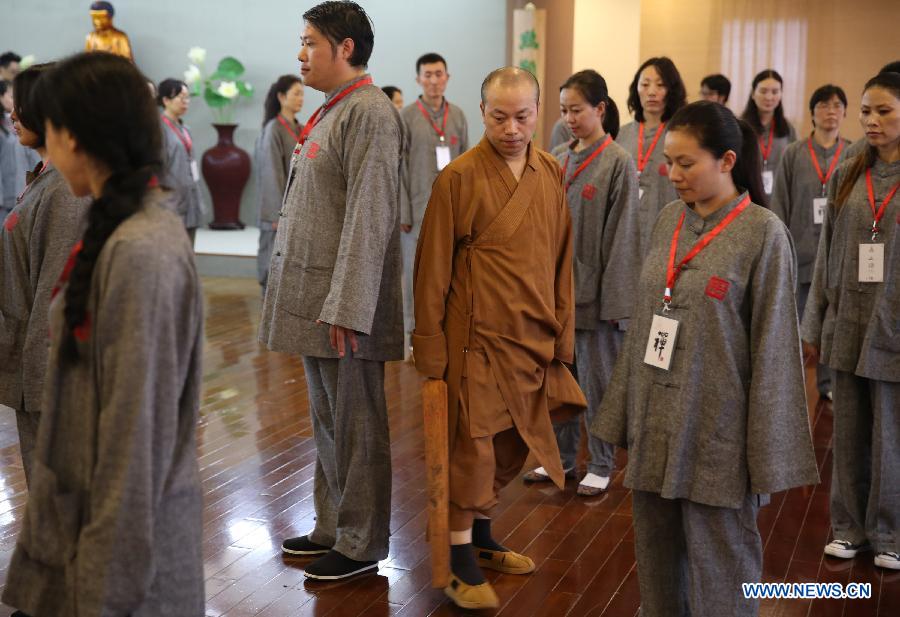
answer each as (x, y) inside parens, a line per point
(35, 243)
(273, 152)
(730, 416)
(419, 167)
(796, 185)
(176, 175)
(654, 181)
(337, 249)
(113, 523)
(603, 202)
(417, 173)
(560, 135)
(853, 323)
(779, 144)
(607, 259)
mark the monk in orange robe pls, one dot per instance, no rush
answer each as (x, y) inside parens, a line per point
(495, 318)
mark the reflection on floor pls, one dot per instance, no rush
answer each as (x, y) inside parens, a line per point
(257, 457)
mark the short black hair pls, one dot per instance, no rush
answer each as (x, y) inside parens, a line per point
(342, 19)
(430, 58)
(718, 83)
(891, 67)
(823, 94)
(169, 89)
(26, 111)
(390, 91)
(8, 58)
(4, 86)
(676, 94)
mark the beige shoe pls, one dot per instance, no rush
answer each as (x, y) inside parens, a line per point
(507, 562)
(471, 596)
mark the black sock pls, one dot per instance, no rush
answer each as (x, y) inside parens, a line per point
(481, 535)
(463, 564)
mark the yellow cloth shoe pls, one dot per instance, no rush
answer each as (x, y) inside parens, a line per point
(507, 562)
(471, 596)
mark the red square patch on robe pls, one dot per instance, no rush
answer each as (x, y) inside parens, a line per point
(454, 140)
(588, 191)
(717, 288)
(313, 151)
(663, 170)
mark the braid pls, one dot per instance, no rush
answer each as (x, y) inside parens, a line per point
(122, 196)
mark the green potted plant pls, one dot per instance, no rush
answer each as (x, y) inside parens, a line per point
(226, 167)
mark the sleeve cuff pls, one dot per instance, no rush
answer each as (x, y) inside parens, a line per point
(430, 353)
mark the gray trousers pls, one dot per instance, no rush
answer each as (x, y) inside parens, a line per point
(595, 356)
(823, 373)
(408, 242)
(692, 558)
(27, 425)
(352, 492)
(264, 254)
(865, 480)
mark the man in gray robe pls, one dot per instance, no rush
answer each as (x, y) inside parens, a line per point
(333, 294)
(436, 133)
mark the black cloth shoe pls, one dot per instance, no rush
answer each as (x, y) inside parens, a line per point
(19, 614)
(303, 546)
(333, 566)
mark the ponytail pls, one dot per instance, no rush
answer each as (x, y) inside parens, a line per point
(611, 118)
(591, 85)
(122, 196)
(101, 99)
(747, 170)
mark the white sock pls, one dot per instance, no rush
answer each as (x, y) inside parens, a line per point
(595, 481)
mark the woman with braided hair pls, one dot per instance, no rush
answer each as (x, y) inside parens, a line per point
(113, 522)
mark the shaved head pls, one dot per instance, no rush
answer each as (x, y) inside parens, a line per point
(509, 77)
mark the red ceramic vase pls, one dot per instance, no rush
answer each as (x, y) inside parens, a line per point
(226, 169)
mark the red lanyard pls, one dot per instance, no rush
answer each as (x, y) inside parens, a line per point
(673, 271)
(439, 131)
(767, 149)
(880, 212)
(287, 127)
(642, 161)
(44, 168)
(586, 162)
(812, 153)
(315, 118)
(183, 135)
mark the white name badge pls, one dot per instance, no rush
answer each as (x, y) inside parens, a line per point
(768, 178)
(819, 204)
(871, 263)
(195, 171)
(443, 156)
(661, 344)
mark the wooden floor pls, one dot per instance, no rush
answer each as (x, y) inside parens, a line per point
(257, 457)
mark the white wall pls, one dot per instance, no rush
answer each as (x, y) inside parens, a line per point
(607, 38)
(264, 36)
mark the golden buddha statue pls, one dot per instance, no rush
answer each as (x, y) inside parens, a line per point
(105, 37)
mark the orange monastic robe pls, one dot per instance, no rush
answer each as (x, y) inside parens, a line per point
(494, 297)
